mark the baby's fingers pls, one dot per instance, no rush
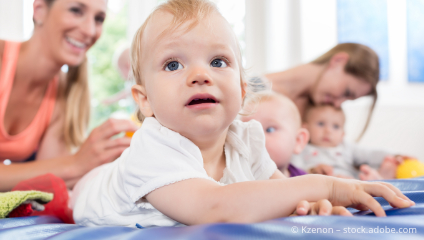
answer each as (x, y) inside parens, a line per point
(322, 207)
(398, 192)
(303, 208)
(381, 190)
(342, 211)
(367, 200)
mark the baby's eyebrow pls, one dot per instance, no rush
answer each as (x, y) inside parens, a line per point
(221, 46)
(173, 44)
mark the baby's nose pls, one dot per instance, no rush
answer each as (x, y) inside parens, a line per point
(199, 76)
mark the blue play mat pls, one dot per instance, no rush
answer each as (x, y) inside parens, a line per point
(400, 223)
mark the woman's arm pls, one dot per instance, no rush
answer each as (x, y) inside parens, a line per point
(197, 201)
(62, 167)
(99, 148)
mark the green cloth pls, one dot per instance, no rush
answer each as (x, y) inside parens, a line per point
(12, 200)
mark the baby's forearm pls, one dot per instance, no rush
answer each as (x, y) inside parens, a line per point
(257, 201)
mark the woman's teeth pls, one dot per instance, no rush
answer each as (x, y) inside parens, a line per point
(76, 43)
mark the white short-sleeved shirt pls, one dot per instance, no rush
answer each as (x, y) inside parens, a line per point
(112, 194)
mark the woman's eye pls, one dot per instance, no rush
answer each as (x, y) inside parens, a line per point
(172, 66)
(218, 63)
(270, 130)
(348, 93)
(99, 19)
(76, 10)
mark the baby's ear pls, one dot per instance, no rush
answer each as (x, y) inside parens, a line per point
(140, 97)
(243, 89)
(302, 139)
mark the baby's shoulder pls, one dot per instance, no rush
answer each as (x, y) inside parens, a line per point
(246, 137)
(247, 130)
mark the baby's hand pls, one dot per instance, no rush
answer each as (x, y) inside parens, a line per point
(368, 173)
(322, 169)
(358, 194)
(389, 166)
(322, 207)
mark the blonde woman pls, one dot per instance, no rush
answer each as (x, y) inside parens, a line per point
(346, 72)
(44, 113)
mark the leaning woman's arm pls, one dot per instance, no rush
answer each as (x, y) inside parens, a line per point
(53, 156)
(62, 167)
(99, 148)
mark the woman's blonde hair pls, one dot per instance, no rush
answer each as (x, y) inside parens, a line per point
(363, 63)
(183, 11)
(77, 97)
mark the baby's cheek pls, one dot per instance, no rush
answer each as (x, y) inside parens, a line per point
(277, 151)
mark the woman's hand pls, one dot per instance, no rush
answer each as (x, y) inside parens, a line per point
(100, 148)
(322, 208)
(359, 195)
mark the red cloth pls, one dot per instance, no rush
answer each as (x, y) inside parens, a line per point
(23, 210)
(50, 183)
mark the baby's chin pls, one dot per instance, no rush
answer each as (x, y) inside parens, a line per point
(205, 128)
(324, 144)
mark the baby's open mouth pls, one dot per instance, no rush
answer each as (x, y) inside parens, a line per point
(201, 100)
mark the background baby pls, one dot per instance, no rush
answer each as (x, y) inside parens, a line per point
(327, 153)
(281, 122)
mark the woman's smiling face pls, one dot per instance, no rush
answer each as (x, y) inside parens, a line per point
(69, 27)
(336, 86)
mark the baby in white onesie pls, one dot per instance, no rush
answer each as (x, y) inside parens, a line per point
(327, 153)
(191, 162)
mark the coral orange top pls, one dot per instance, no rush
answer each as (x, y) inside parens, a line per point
(22, 145)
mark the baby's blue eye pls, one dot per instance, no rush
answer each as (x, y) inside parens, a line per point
(321, 124)
(218, 63)
(174, 65)
(336, 126)
(270, 130)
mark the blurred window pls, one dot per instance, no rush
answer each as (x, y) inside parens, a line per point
(105, 80)
(365, 22)
(415, 40)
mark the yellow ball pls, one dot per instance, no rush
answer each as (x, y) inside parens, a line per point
(410, 168)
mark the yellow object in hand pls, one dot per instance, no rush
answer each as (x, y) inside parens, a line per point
(137, 122)
(129, 134)
(410, 168)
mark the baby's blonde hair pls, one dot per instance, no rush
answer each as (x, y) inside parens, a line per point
(183, 11)
(252, 102)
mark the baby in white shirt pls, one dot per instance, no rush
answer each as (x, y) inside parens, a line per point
(327, 153)
(191, 162)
